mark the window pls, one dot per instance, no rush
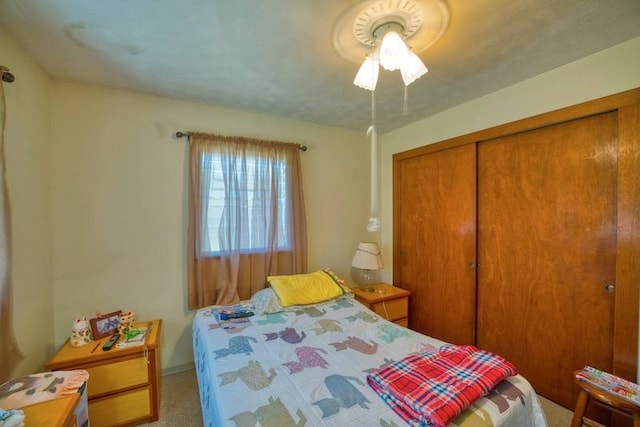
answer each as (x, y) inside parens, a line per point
(249, 201)
(246, 216)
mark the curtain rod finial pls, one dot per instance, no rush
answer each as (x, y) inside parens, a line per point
(6, 74)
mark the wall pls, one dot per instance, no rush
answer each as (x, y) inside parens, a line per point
(607, 72)
(119, 201)
(27, 161)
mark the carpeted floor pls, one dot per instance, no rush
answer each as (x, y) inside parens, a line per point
(557, 416)
(179, 401)
(180, 404)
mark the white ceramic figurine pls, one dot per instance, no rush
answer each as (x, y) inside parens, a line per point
(80, 332)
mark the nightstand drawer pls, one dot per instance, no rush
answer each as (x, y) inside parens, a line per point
(389, 302)
(117, 375)
(122, 408)
(402, 322)
(392, 309)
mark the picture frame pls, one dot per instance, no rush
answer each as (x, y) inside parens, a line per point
(105, 325)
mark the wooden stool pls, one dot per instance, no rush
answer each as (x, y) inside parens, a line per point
(610, 400)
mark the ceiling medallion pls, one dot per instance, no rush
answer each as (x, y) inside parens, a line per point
(423, 22)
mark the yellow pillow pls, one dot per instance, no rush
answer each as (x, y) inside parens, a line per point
(308, 288)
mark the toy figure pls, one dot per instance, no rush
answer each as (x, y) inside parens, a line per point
(80, 332)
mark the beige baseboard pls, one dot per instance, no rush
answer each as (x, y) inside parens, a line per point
(178, 368)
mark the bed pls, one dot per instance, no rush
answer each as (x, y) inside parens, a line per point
(308, 365)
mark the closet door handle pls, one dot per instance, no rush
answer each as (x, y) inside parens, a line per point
(473, 265)
(609, 287)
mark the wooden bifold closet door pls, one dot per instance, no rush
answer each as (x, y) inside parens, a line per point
(547, 249)
(524, 239)
(437, 242)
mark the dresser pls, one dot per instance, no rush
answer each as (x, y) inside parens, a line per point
(124, 383)
(52, 413)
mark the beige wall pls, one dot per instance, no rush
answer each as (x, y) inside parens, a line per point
(119, 201)
(27, 160)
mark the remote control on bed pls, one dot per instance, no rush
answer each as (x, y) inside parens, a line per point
(240, 315)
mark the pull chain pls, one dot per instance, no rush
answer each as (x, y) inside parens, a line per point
(405, 105)
(373, 107)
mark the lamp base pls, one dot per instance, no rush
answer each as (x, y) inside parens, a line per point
(366, 281)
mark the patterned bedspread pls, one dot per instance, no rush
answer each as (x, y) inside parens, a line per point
(309, 367)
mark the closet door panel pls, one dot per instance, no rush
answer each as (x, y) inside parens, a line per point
(628, 256)
(435, 241)
(547, 249)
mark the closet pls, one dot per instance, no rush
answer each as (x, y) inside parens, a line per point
(524, 240)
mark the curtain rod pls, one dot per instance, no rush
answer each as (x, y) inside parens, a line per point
(6, 74)
(179, 134)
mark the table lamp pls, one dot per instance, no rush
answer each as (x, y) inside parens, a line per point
(367, 259)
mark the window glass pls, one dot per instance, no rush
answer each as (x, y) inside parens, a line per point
(251, 202)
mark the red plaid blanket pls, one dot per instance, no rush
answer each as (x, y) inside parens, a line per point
(430, 389)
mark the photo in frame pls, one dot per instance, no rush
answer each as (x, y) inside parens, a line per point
(105, 325)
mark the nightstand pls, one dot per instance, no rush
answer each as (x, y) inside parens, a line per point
(388, 301)
(123, 386)
(53, 413)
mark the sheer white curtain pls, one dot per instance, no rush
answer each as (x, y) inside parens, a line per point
(9, 353)
(247, 217)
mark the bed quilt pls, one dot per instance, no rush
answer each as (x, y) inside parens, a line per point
(308, 367)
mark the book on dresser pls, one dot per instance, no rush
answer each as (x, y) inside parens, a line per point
(133, 340)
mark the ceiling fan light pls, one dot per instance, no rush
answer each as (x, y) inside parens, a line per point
(367, 76)
(393, 51)
(412, 69)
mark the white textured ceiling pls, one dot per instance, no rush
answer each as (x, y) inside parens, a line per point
(276, 56)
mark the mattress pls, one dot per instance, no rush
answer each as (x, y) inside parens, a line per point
(307, 366)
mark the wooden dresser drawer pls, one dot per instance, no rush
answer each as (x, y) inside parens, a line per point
(121, 408)
(59, 412)
(117, 375)
(392, 309)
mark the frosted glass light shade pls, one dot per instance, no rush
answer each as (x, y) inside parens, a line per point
(367, 77)
(393, 51)
(412, 68)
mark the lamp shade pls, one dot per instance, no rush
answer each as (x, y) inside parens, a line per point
(367, 257)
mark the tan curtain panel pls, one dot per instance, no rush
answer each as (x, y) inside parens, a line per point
(246, 216)
(10, 355)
